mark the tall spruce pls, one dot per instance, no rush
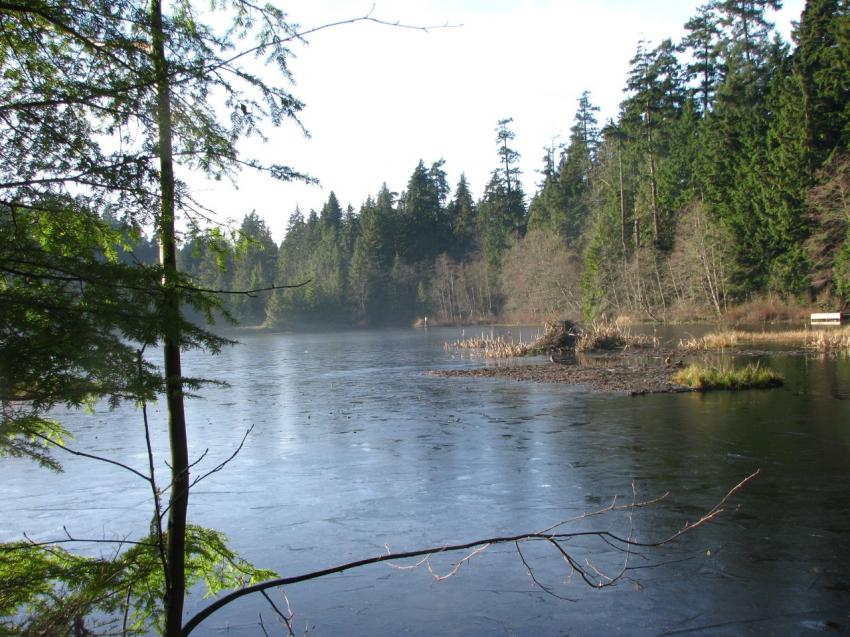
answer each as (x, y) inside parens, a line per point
(703, 42)
(501, 211)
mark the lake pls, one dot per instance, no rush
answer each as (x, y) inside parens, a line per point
(355, 450)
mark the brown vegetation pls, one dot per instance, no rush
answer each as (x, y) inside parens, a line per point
(823, 340)
(611, 336)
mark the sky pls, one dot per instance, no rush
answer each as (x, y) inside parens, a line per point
(380, 98)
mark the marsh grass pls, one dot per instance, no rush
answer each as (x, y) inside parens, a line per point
(611, 336)
(493, 346)
(827, 340)
(599, 337)
(708, 377)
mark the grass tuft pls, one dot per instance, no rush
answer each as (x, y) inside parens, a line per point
(705, 378)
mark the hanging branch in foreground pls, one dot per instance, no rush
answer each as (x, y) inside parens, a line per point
(249, 293)
(589, 574)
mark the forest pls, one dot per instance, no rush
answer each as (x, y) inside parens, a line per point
(724, 179)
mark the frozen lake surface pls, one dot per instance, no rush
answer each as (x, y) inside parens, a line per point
(355, 450)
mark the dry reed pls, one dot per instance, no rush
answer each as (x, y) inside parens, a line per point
(610, 336)
(825, 340)
(493, 346)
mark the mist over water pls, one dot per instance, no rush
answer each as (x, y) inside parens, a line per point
(354, 450)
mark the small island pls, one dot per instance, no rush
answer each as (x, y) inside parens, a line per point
(609, 358)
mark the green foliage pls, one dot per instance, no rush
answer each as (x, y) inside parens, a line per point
(51, 591)
(561, 206)
(822, 60)
(461, 214)
(72, 317)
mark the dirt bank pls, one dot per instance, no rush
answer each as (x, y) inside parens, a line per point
(633, 375)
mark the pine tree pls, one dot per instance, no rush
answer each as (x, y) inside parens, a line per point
(331, 214)
(422, 213)
(703, 40)
(822, 61)
(748, 29)
(501, 211)
(461, 215)
(372, 258)
(101, 100)
(254, 268)
(655, 103)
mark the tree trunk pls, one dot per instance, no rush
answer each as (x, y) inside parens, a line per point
(175, 582)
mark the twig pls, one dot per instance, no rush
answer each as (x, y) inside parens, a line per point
(224, 463)
(286, 619)
(554, 539)
(92, 456)
(30, 543)
(457, 565)
(157, 501)
(262, 625)
(534, 579)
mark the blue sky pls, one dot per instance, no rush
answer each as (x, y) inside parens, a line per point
(380, 98)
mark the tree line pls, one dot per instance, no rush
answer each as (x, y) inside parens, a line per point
(723, 177)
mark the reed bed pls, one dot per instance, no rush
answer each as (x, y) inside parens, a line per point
(598, 337)
(704, 378)
(610, 336)
(824, 340)
(493, 346)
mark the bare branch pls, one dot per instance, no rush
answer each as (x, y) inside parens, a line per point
(249, 293)
(69, 539)
(600, 580)
(224, 463)
(82, 454)
(300, 35)
(286, 618)
(534, 579)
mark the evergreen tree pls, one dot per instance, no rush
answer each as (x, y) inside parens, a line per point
(734, 143)
(422, 213)
(509, 157)
(822, 62)
(748, 30)
(501, 211)
(101, 100)
(461, 217)
(703, 41)
(254, 268)
(372, 259)
(651, 110)
(331, 214)
(574, 178)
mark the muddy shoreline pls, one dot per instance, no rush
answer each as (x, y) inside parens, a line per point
(630, 374)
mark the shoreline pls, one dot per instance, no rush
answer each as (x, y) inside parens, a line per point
(635, 374)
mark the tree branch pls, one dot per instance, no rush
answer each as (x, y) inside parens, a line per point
(82, 454)
(249, 293)
(554, 539)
